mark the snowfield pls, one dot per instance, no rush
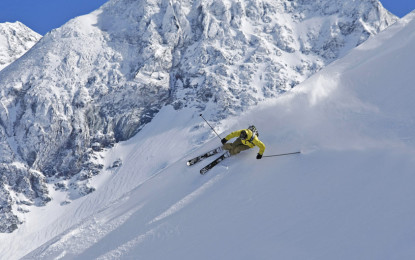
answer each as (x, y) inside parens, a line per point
(101, 77)
(349, 195)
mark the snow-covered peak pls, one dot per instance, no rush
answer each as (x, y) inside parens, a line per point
(15, 40)
(100, 78)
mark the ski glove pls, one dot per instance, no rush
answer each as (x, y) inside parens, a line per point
(224, 140)
(259, 156)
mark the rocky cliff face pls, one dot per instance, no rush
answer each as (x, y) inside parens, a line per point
(15, 40)
(101, 77)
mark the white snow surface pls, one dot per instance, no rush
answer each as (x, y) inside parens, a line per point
(349, 195)
(100, 78)
(15, 40)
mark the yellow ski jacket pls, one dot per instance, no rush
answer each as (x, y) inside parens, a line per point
(255, 141)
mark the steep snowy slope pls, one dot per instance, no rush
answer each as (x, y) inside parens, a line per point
(101, 77)
(349, 195)
(15, 40)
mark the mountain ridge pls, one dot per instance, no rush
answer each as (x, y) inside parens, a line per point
(15, 40)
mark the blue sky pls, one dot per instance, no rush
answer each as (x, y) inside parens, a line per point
(399, 7)
(45, 15)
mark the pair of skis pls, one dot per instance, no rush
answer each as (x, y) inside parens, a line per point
(206, 155)
(220, 158)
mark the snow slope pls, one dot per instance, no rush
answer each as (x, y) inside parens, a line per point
(349, 195)
(101, 77)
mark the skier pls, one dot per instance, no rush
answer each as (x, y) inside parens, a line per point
(247, 138)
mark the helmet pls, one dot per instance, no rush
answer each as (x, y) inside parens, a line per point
(243, 135)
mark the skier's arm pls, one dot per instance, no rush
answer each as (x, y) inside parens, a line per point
(260, 144)
(233, 135)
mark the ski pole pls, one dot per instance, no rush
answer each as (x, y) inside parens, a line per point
(211, 127)
(281, 154)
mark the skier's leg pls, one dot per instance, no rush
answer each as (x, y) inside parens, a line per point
(242, 147)
(230, 146)
(227, 146)
(239, 148)
(235, 147)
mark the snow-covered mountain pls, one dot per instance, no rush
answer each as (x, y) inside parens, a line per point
(349, 195)
(15, 40)
(102, 77)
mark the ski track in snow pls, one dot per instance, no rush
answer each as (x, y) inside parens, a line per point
(86, 234)
(77, 240)
(161, 228)
(188, 199)
(121, 250)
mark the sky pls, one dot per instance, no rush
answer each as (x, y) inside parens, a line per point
(399, 7)
(45, 15)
